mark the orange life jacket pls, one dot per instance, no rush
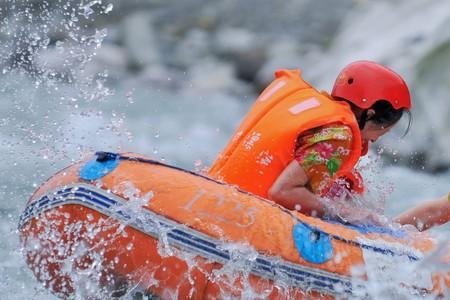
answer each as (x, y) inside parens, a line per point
(265, 142)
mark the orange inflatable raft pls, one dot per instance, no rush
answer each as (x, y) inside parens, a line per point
(123, 222)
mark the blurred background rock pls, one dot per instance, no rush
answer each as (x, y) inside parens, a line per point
(233, 47)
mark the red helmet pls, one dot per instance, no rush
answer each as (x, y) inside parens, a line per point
(364, 82)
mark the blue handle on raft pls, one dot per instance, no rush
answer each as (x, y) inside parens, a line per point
(313, 244)
(95, 169)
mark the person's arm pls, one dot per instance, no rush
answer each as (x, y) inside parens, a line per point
(319, 154)
(289, 191)
(427, 215)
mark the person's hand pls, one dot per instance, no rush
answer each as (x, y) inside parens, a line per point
(344, 184)
(344, 212)
(339, 190)
(358, 215)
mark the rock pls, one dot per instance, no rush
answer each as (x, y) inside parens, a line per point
(111, 58)
(213, 76)
(266, 74)
(308, 21)
(161, 76)
(430, 134)
(140, 40)
(59, 62)
(243, 48)
(194, 46)
(233, 41)
(286, 53)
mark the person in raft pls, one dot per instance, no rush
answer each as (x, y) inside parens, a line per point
(315, 174)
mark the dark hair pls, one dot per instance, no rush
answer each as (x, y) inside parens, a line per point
(385, 115)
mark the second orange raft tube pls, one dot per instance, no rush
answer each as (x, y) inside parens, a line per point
(137, 223)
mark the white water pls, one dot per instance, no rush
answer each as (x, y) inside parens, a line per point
(47, 123)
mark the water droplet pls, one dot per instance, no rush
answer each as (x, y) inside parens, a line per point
(129, 96)
(109, 8)
(87, 8)
(129, 246)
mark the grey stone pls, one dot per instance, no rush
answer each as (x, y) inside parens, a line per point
(245, 49)
(140, 40)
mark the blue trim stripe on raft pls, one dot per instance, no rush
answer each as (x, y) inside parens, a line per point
(70, 191)
(369, 228)
(309, 277)
(59, 197)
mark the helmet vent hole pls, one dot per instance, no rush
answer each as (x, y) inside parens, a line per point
(350, 81)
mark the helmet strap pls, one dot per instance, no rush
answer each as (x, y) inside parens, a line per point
(362, 119)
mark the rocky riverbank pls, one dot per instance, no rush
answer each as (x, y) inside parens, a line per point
(197, 47)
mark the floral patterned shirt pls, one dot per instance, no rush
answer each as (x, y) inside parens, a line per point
(321, 152)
